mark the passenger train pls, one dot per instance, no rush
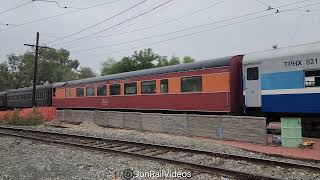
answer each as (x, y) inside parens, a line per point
(272, 83)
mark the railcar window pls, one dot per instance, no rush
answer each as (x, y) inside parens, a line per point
(90, 91)
(114, 89)
(102, 90)
(80, 92)
(130, 88)
(191, 84)
(68, 92)
(252, 73)
(148, 87)
(164, 87)
(312, 78)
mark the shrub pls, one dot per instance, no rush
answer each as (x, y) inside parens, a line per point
(35, 117)
(32, 119)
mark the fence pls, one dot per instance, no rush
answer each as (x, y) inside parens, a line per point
(240, 128)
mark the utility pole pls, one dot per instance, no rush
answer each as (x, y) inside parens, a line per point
(35, 69)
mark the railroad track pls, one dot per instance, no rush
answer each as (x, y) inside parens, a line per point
(152, 152)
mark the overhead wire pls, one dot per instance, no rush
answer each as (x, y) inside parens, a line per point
(153, 26)
(190, 34)
(58, 15)
(171, 20)
(206, 30)
(128, 25)
(56, 2)
(189, 28)
(165, 22)
(297, 27)
(16, 7)
(118, 24)
(261, 2)
(159, 10)
(100, 22)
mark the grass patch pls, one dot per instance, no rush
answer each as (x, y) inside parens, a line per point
(34, 118)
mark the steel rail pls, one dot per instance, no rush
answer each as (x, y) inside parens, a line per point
(62, 138)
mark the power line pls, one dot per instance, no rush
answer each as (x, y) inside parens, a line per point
(101, 22)
(206, 30)
(150, 27)
(194, 33)
(168, 21)
(190, 28)
(297, 27)
(159, 10)
(16, 7)
(175, 19)
(261, 2)
(296, 8)
(49, 1)
(58, 15)
(170, 5)
(130, 19)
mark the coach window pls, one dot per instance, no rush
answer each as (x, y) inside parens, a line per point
(164, 87)
(114, 89)
(312, 78)
(252, 73)
(80, 92)
(90, 91)
(102, 90)
(191, 84)
(130, 88)
(68, 92)
(148, 87)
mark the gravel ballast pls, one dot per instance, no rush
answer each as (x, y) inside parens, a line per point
(25, 159)
(189, 142)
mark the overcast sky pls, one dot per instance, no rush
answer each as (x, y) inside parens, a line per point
(210, 41)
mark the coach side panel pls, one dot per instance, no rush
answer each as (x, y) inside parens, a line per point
(200, 90)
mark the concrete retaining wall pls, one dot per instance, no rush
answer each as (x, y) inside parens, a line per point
(239, 128)
(78, 116)
(174, 124)
(59, 117)
(151, 122)
(132, 120)
(115, 119)
(205, 126)
(243, 128)
(101, 118)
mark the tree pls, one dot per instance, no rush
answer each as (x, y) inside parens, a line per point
(86, 72)
(188, 59)
(54, 65)
(107, 67)
(174, 60)
(4, 76)
(163, 61)
(144, 59)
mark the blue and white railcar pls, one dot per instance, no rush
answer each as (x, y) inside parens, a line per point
(284, 80)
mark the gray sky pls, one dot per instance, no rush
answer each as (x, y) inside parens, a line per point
(284, 29)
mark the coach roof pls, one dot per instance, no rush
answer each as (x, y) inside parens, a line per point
(47, 86)
(219, 62)
(303, 49)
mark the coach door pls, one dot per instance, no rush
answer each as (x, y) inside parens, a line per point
(252, 86)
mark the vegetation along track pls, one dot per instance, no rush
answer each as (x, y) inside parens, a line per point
(152, 152)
